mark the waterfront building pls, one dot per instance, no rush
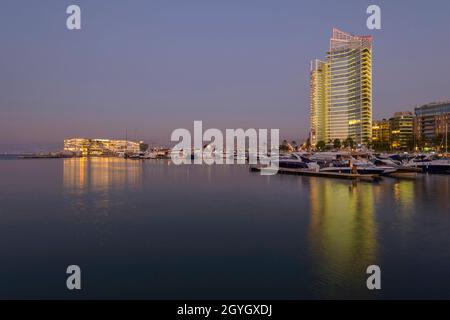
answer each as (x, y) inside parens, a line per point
(102, 147)
(319, 102)
(380, 132)
(432, 122)
(401, 130)
(341, 90)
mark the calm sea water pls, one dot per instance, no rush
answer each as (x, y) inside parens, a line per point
(155, 230)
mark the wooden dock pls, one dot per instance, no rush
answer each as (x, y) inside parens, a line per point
(306, 172)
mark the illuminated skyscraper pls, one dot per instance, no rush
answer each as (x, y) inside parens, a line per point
(347, 89)
(319, 101)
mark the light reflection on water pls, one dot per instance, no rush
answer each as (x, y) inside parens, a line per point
(100, 174)
(151, 229)
(342, 232)
(99, 177)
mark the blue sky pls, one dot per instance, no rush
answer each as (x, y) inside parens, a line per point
(153, 66)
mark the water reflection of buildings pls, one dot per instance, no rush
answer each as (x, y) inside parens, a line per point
(100, 174)
(404, 194)
(432, 187)
(343, 233)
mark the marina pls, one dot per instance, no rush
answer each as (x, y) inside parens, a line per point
(341, 164)
(225, 156)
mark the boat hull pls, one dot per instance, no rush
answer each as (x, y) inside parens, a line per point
(292, 164)
(348, 170)
(439, 169)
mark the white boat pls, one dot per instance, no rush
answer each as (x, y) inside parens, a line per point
(297, 161)
(150, 155)
(430, 164)
(356, 169)
(136, 155)
(344, 162)
(400, 170)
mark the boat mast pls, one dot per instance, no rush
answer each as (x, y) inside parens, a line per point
(446, 137)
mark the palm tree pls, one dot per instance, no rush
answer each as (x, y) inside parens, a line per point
(349, 143)
(320, 145)
(308, 144)
(337, 143)
(284, 146)
(294, 145)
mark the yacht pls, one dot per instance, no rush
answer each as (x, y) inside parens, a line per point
(360, 168)
(297, 161)
(136, 156)
(150, 155)
(344, 162)
(430, 163)
(401, 171)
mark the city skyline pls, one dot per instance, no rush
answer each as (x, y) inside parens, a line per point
(224, 158)
(151, 68)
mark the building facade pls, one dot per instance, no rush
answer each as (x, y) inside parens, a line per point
(319, 102)
(401, 127)
(347, 88)
(381, 132)
(102, 147)
(432, 122)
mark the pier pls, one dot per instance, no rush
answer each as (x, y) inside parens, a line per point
(306, 172)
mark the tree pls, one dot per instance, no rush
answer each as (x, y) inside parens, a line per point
(308, 144)
(349, 143)
(320, 145)
(368, 143)
(286, 147)
(294, 145)
(337, 144)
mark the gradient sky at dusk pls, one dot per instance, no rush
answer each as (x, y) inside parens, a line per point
(155, 65)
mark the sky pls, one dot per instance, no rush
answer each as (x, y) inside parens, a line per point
(150, 66)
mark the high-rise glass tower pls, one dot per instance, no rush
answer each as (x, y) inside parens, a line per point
(342, 94)
(319, 101)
